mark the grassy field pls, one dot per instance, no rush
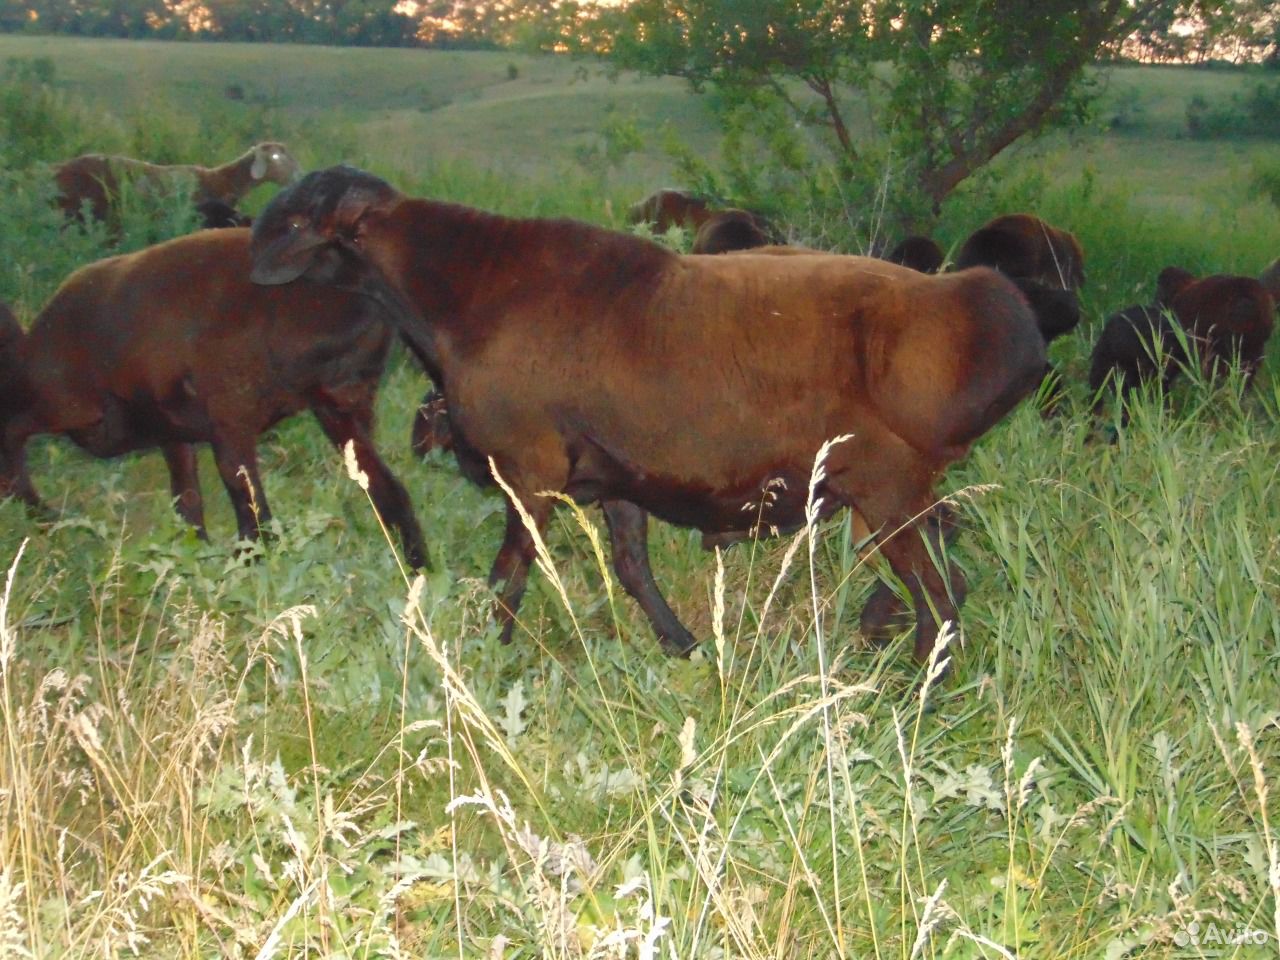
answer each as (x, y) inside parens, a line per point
(309, 756)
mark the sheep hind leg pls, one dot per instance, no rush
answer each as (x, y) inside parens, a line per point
(237, 460)
(629, 541)
(184, 485)
(389, 496)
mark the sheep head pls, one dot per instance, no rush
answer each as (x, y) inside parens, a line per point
(324, 211)
(1171, 282)
(271, 161)
(1057, 310)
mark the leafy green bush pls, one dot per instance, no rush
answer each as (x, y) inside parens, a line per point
(1257, 114)
(1266, 179)
(36, 122)
(1263, 106)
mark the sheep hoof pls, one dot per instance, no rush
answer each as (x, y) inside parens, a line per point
(678, 645)
(41, 512)
(884, 617)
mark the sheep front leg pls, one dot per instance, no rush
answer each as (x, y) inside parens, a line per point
(389, 496)
(893, 491)
(511, 565)
(935, 600)
(237, 460)
(15, 480)
(184, 485)
(629, 541)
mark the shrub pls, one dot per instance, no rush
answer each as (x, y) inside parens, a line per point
(36, 122)
(1263, 107)
(1255, 115)
(1266, 179)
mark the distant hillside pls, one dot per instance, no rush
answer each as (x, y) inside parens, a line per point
(541, 118)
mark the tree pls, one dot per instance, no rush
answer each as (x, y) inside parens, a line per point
(490, 23)
(911, 96)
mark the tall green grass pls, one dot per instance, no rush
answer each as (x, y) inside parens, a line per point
(308, 755)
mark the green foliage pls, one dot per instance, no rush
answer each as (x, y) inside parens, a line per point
(36, 121)
(353, 22)
(899, 103)
(619, 138)
(1266, 178)
(1238, 31)
(1256, 114)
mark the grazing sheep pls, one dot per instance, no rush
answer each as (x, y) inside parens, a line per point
(918, 253)
(1229, 317)
(604, 366)
(95, 179)
(173, 345)
(667, 208)
(1024, 246)
(1057, 311)
(728, 230)
(1226, 317)
(1048, 266)
(1133, 338)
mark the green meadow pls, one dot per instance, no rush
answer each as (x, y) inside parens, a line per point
(314, 754)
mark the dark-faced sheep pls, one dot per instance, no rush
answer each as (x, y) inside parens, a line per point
(1225, 318)
(1048, 266)
(1140, 341)
(609, 368)
(1024, 246)
(94, 181)
(918, 253)
(1043, 260)
(1229, 318)
(173, 345)
(729, 230)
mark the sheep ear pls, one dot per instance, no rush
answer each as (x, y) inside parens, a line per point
(351, 208)
(258, 169)
(286, 258)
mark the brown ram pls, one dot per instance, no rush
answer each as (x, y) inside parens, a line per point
(606, 367)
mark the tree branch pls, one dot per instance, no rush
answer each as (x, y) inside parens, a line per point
(822, 87)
